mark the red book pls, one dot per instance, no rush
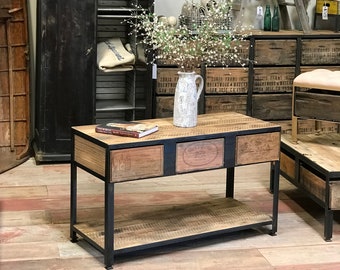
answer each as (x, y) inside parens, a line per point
(127, 129)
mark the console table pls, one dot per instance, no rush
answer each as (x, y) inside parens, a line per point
(222, 140)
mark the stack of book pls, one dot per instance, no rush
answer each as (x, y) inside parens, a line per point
(127, 129)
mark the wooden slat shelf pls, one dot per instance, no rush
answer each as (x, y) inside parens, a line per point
(175, 222)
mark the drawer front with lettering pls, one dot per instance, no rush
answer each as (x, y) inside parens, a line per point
(321, 51)
(137, 163)
(226, 80)
(199, 155)
(275, 52)
(257, 148)
(273, 79)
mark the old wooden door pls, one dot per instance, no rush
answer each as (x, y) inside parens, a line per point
(14, 84)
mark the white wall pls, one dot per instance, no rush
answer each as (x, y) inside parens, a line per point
(169, 7)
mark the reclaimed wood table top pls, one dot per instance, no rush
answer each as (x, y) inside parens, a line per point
(207, 124)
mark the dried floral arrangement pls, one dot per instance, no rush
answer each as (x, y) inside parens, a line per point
(207, 42)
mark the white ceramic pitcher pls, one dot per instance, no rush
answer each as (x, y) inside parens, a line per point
(186, 99)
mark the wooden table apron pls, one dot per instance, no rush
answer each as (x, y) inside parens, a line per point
(222, 140)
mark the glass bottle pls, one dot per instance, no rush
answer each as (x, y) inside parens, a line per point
(276, 19)
(259, 18)
(267, 22)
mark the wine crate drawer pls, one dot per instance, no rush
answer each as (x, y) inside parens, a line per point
(226, 80)
(275, 52)
(257, 148)
(167, 80)
(273, 79)
(308, 126)
(334, 195)
(311, 68)
(89, 155)
(199, 155)
(272, 106)
(320, 51)
(164, 106)
(319, 105)
(137, 163)
(287, 165)
(226, 103)
(312, 183)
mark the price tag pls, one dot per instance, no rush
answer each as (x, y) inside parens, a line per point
(259, 11)
(325, 12)
(154, 71)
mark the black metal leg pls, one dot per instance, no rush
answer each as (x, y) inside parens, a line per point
(109, 225)
(275, 186)
(272, 173)
(230, 182)
(73, 201)
(328, 226)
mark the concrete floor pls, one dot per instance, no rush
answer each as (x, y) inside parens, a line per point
(34, 220)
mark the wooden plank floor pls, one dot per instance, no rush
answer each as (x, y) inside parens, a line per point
(34, 221)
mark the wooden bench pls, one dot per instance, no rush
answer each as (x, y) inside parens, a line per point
(312, 161)
(313, 165)
(321, 101)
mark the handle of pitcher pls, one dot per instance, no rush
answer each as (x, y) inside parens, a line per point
(200, 86)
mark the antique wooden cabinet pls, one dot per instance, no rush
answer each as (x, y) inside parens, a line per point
(65, 74)
(70, 89)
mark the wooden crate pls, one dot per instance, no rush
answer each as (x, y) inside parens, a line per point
(275, 52)
(137, 163)
(334, 195)
(318, 105)
(317, 186)
(242, 53)
(164, 106)
(226, 80)
(332, 6)
(167, 80)
(272, 106)
(308, 126)
(226, 103)
(199, 155)
(312, 183)
(320, 51)
(310, 68)
(257, 148)
(273, 79)
(287, 165)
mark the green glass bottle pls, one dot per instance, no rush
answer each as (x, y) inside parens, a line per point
(276, 20)
(267, 21)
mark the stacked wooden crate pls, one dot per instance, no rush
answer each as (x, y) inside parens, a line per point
(263, 88)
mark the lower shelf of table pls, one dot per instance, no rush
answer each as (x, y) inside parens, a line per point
(176, 222)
